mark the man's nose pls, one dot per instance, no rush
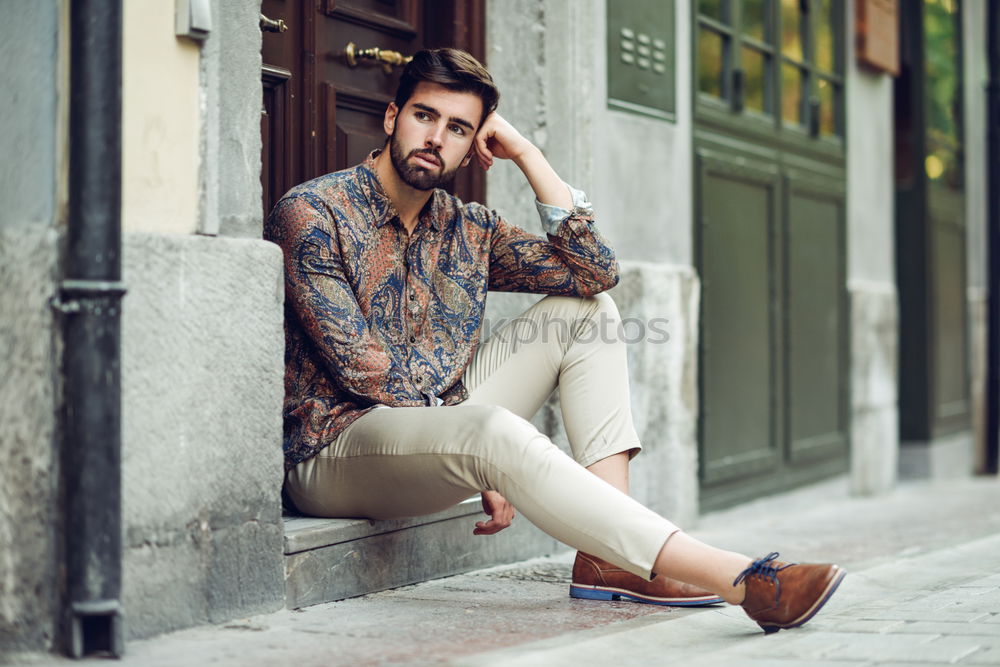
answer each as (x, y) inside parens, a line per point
(435, 136)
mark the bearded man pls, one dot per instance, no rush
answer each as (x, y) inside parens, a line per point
(394, 407)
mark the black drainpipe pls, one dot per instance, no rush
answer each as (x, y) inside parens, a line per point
(993, 242)
(90, 300)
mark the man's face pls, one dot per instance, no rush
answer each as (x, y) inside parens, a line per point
(431, 136)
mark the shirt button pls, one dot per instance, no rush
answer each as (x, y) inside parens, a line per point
(413, 339)
(413, 296)
(419, 379)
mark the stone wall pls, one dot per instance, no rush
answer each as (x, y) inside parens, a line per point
(29, 522)
(202, 373)
(202, 368)
(231, 144)
(29, 248)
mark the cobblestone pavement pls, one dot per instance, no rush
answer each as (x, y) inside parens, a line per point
(939, 608)
(923, 587)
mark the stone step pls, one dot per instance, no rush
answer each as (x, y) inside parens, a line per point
(333, 559)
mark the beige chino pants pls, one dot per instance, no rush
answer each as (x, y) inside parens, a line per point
(400, 462)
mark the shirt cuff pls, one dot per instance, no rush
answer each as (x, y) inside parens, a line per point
(553, 216)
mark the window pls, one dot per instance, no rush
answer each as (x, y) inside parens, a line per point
(780, 60)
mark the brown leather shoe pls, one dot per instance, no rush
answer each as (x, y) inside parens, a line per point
(596, 579)
(786, 595)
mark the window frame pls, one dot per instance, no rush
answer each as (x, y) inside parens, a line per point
(730, 109)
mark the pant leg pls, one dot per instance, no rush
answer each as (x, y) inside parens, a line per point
(399, 462)
(572, 343)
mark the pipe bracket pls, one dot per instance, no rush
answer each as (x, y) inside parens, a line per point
(93, 297)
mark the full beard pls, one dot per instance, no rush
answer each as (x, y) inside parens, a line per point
(417, 177)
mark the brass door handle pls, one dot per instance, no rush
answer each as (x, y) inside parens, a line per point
(271, 25)
(384, 57)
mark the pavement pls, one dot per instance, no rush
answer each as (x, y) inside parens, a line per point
(923, 588)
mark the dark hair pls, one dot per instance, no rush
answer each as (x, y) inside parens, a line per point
(455, 70)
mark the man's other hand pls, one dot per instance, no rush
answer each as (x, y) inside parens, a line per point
(501, 514)
(498, 138)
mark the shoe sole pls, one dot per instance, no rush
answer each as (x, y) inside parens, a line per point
(611, 594)
(831, 588)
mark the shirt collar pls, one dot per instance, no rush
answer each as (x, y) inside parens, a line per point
(382, 208)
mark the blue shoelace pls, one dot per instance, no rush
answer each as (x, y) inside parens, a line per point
(765, 569)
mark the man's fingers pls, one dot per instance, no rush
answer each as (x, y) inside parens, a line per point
(489, 527)
(484, 154)
(500, 520)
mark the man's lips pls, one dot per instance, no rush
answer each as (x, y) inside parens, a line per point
(428, 160)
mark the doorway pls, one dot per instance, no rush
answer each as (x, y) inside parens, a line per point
(934, 374)
(770, 196)
(322, 108)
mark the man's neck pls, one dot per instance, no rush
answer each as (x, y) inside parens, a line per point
(407, 201)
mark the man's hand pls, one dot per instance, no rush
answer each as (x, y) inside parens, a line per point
(498, 138)
(501, 514)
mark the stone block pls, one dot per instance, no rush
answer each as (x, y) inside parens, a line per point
(30, 466)
(389, 554)
(303, 533)
(202, 368)
(873, 381)
(661, 302)
(874, 450)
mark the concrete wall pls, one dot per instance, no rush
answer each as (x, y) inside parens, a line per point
(30, 145)
(160, 121)
(976, 69)
(202, 363)
(231, 90)
(548, 58)
(871, 276)
(203, 344)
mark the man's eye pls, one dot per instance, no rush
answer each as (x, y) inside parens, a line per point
(422, 115)
(458, 129)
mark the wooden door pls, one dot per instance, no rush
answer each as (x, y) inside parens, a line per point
(320, 113)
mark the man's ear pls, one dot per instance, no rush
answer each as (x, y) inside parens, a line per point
(468, 156)
(389, 121)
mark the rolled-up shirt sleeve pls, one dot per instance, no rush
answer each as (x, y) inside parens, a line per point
(553, 216)
(574, 259)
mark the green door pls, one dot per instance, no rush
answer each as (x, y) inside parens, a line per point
(770, 194)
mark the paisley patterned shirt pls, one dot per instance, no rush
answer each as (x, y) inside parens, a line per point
(375, 316)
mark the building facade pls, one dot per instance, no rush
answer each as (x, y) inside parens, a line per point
(809, 220)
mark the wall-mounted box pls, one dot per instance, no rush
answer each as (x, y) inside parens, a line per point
(194, 19)
(877, 33)
(640, 48)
